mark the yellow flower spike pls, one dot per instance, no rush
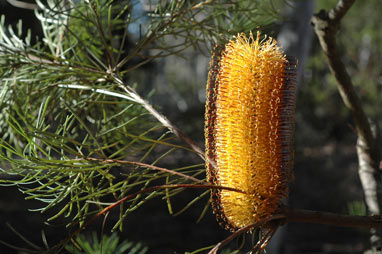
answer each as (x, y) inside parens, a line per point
(249, 129)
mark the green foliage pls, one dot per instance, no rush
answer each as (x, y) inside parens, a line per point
(75, 133)
(107, 245)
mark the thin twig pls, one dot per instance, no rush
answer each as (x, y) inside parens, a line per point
(161, 118)
(140, 164)
(152, 36)
(244, 230)
(110, 58)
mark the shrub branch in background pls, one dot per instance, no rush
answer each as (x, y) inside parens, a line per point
(326, 25)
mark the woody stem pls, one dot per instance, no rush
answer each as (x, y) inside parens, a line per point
(333, 219)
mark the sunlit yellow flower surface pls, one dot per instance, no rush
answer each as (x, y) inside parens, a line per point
(249, 129)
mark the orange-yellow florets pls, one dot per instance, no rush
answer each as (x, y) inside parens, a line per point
(249, 126)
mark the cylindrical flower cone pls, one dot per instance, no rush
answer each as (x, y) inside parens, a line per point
(249, 129)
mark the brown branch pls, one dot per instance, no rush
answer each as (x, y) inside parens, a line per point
(305, 216)
(332, 219)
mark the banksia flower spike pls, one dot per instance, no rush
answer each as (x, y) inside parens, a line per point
(249, 129)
